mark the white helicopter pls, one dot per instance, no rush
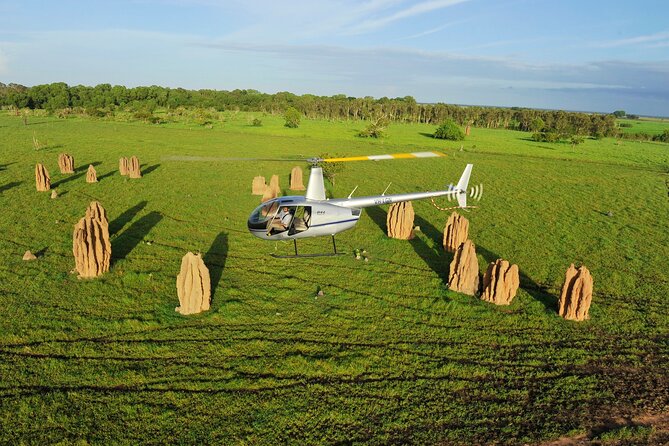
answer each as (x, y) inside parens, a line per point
(314, 215)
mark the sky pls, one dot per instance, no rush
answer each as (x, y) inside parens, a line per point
(586, 55)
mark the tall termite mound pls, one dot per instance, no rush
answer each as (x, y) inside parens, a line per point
(193, 285)
(468, 130)
(576, 295)
(91, 174)
(42, 179)
(455, 232)
(272, 190)
(274, 185)
(123, 166)
(463, 276)
(91, 246)
(296, 182)
(500, 282)
(66, 163)
(400, 220)
(258, 186)
(133, 168)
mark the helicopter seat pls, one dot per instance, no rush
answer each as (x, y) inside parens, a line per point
(299, 225)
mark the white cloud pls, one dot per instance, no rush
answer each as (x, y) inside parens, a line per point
(417, 9)
(662, 37)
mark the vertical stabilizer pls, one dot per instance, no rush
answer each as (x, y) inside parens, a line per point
(462, 186)
(316, 187)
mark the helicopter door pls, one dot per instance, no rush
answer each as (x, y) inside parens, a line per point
(301, 219)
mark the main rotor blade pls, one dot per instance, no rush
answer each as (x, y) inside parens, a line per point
(386, 157)
(217, 158)
(312, 160)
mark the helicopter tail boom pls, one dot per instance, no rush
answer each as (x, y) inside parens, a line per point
(459, 191)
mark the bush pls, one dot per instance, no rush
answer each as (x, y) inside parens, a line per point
(376, 128)
(449, 130)
(662, 137)
(256, 122)
(292, 117)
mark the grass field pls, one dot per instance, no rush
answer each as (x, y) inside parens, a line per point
(388, 355)
(645, 125)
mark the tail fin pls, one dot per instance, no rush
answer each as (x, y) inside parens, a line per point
(462, 186)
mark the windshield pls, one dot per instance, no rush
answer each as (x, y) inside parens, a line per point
(262, 213)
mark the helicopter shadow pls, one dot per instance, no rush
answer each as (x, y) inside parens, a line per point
(215, 259)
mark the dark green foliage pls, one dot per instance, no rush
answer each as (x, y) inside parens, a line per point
(292, 117)
(619, 113)
(662, 137)
(338, 107)
(256, 122)
(449, 130)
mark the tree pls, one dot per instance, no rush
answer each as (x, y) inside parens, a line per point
(619, 113)
(292, 117)
(449, 130)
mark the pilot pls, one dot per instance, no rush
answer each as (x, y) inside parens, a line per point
(282, 221)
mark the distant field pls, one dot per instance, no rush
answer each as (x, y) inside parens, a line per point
(388, 355)
(644, 125)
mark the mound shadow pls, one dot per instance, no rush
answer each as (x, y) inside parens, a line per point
(215, 259)
(11, 185)
(439, 260)
(127, 216)
(106, 175)
(78, 173)
(133, 235)
(4, 166)
(148, 169)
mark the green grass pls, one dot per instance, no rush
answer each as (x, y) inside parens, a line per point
(388, 355)
(648, 126)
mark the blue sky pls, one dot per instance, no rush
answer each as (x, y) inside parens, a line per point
(575, 55)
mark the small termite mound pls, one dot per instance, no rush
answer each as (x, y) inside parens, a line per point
(455, 232)
(193, 285)
(29, 256)
(296, 182)
(463, 276)
(274, 185)
(133, 168)
(500, 282)
(66, 163)
(468, 130)
(54, 194)
(91, 246)
(123, 166)
(42, 179)
(576, 296)
(258, 186)
(400, 220)
(91, 174)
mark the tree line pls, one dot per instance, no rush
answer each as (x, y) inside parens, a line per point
(103, 98)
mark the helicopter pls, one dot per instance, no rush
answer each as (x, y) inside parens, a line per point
(315, 215)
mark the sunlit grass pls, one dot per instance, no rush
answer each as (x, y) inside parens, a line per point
(388, 354)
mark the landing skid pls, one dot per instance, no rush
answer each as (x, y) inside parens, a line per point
(297, 256)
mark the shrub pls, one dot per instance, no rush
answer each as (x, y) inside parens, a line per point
(376, 128)
(256, 122)
(292, 117)
(449, 130)
(662, 137)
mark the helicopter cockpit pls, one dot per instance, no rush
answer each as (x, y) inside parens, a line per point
(280, 215)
